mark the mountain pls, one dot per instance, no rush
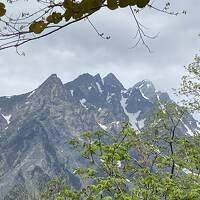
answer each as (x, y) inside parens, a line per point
(35, 127)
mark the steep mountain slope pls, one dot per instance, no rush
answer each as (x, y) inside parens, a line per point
(35, 127)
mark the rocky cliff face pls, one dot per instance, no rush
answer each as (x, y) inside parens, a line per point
(35, 127)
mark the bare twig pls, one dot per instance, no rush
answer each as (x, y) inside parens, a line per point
(100, 34)
(141, 32)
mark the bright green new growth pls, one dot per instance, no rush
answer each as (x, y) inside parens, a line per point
(154, 164)
(191, 85)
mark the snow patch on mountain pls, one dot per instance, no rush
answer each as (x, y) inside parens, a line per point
(132, 116)
(144, 95)
(141, 123)
(148, 85)
(99, 109)
(198, 125)
(109, 97)
(189, 131)
(187, 171)
(7, 118)
(162, 107)
(119, 164)
(72, 92)
(103, 126)
(31, 94)
(99, 87)
(83, 101)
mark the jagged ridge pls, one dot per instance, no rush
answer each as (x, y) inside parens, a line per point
(35, 127)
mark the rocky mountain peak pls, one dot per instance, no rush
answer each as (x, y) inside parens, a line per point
(111, 76)
(112, 84)
(51, 80)
(52, 88)
(87, 89)
(35, 127)
(97, 77)
(146, 88)
(84, 78)
(147, 84)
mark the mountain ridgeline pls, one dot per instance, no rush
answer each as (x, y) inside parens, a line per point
(35, 127)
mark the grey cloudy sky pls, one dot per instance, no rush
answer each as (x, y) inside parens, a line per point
(78, 49)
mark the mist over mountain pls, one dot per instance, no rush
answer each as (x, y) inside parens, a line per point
(35, 127)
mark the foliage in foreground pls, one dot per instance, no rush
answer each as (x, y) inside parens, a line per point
(24, 21)
(150, 165)
(158, 163)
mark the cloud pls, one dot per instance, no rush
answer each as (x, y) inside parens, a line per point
(78, 49)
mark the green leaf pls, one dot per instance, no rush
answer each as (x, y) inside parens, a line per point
(107, 198)
(67, 15)
(55, 18)
(112, 4)
(37, 27)
(142, 3)
(2, 9)
(68, 4)
(123, 3)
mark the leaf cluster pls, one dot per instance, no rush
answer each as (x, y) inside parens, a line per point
(152, 165)
(2, 9)
(78, 9)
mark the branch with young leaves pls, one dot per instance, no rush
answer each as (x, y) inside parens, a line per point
(157, 163)
(52, 16)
